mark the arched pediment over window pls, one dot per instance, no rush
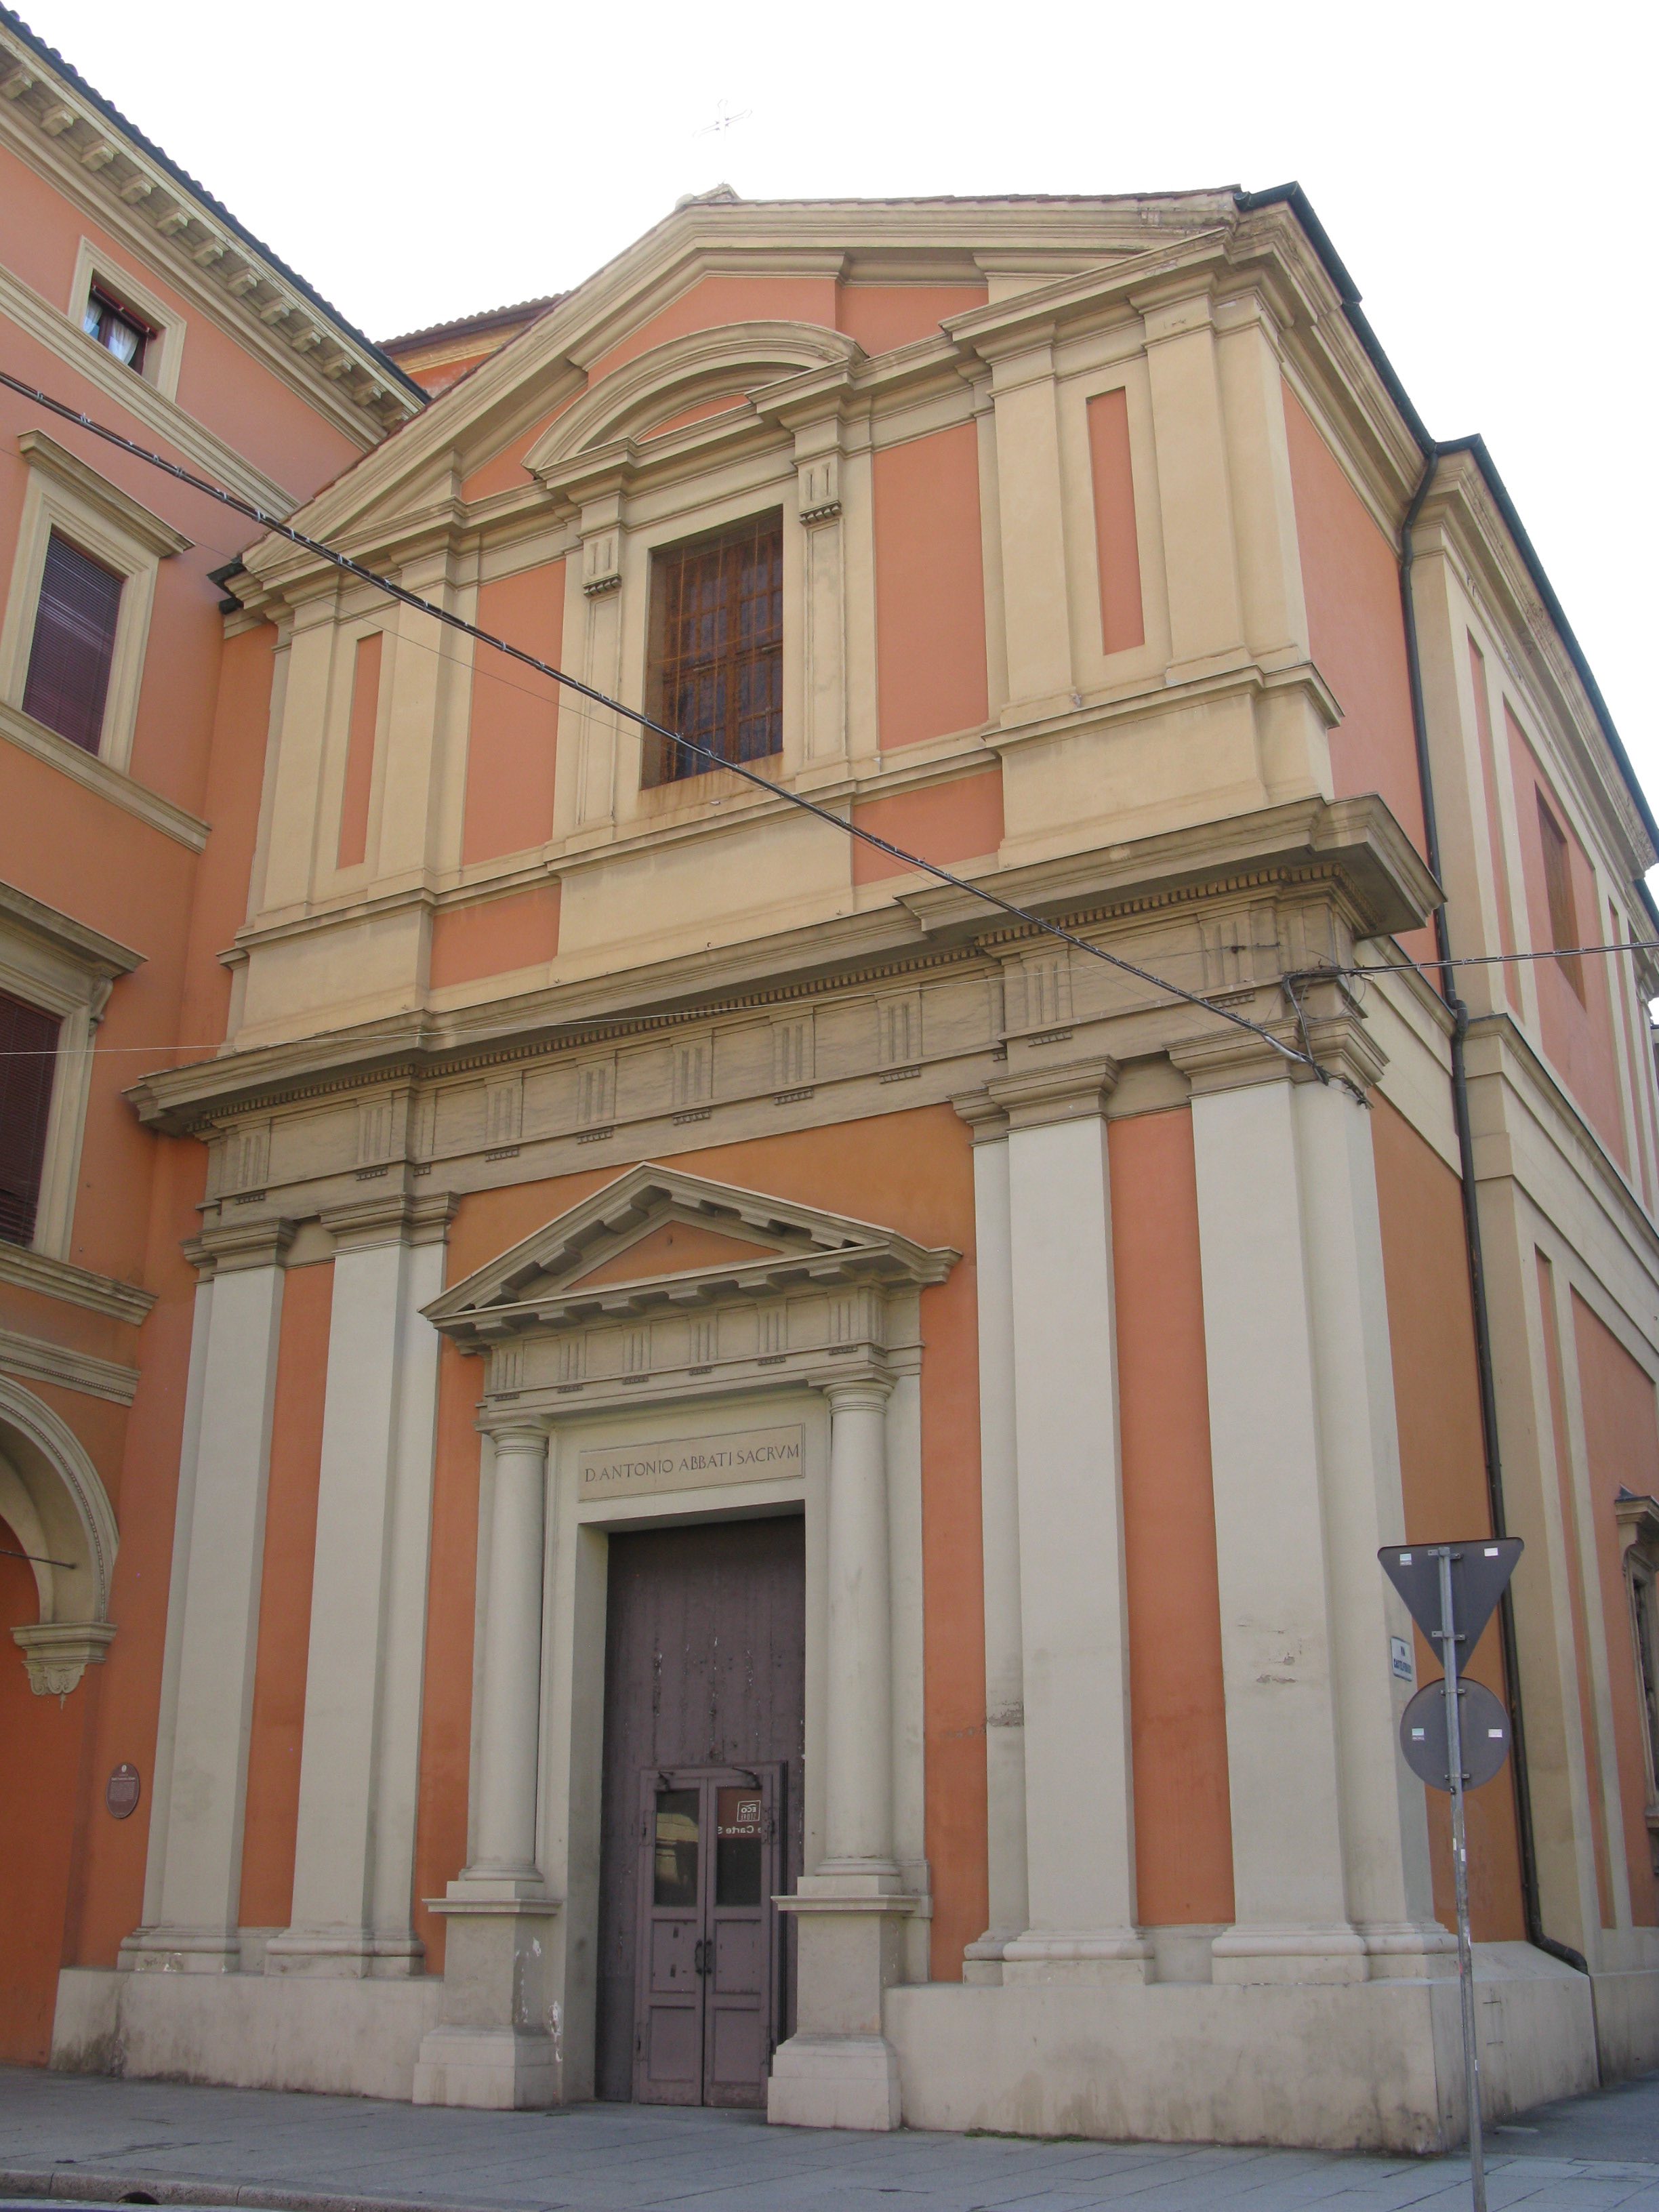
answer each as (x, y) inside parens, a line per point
(52, 1497)
(668, 378)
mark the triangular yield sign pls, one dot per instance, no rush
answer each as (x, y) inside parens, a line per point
(1481, 1567)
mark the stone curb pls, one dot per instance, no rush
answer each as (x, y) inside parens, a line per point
(84, 2185)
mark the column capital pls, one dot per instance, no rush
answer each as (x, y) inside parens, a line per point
(517, 1433)
(389, 1217)
(848, 1393)
(225, 1247)
(1230, 1058)
(1074, 1091)
(987, 1121)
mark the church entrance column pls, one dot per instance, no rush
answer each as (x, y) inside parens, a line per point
(495, 2047)
(837, 2069)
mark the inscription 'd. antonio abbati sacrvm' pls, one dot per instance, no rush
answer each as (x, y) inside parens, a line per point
(689, 1463)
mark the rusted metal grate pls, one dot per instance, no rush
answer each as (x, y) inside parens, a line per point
(716, 648)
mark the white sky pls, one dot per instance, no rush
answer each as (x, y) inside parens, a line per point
(1478, 168)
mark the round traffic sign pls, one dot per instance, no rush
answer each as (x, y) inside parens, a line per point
(1485, 1727)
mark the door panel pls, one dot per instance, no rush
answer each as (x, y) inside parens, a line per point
(705, 1646)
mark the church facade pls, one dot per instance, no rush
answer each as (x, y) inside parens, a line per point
(651, 1454)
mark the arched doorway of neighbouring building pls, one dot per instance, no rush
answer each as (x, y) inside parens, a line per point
(54, 1621)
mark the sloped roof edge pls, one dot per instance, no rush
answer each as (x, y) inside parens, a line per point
(37, 45)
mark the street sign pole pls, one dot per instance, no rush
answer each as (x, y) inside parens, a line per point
(1448, 1641)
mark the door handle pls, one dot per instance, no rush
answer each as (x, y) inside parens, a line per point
(702, 1957)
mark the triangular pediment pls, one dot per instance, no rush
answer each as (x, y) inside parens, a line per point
(658, 1236)
(728, 299)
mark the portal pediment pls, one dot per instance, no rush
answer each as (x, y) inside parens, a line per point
(659, 1238)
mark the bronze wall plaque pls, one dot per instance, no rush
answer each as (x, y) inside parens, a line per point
(122, 1790)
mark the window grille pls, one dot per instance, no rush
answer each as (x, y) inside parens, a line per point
(74, 645)
(29, 1047)
(716, 648)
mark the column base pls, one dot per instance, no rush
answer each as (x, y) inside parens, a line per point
(1051, 1957)
(1407, 1950)
(499, 2069)
(1244, 1954)
(834, 2081)
(169, 1950)
(355, 1953)
(982, 1960)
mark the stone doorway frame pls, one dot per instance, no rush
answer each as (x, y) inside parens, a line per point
(817, 1312)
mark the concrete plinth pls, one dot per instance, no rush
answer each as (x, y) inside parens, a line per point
(495, 2045)
(1334, 2065)
(835, 2081)
(836, 2071)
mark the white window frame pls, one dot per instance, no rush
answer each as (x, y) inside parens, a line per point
(96, 269)
(53, 961)
(104, 522)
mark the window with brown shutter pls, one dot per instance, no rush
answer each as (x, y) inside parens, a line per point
(715, 668)
(28, 1062)
(74, 644)
(1558, 889)
(116, 328)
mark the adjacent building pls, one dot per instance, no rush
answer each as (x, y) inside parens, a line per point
(658, 1455)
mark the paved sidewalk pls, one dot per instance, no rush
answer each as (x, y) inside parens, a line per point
(87, 2137)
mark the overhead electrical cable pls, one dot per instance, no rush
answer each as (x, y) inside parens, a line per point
(451, 621)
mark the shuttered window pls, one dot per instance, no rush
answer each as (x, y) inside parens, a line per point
(716, 648)
(1558, 889)
(28, 1050)
(74, 644)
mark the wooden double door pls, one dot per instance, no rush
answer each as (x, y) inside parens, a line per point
(701, 1819)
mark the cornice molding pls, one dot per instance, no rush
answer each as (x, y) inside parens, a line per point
(155, 214)
(22, 730)
(31, 1359)
(1461, 505)
(138, 521)
(163, 421)
(88, 948)
(75, 1286)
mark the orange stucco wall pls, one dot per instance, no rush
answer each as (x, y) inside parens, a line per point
(1183, 1834)
(1578, 1032)
(883, 316)
(513, 740)
(43, 1741)
(494, 936)
(958, 820)
(277, 1728)
(913, 1171)
(930, 588)
(1621, 1442)
(1351, 581)
(1117, 546)
(1442, 1469)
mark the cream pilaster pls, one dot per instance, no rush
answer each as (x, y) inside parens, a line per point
(1194, 493)
(595, 749)
(354, 1853)
(1005, 1671)
(292, 841)
(197, 1882)
(1030, 502)
(423, 678)
(1080, 1813)
(837, 2069)
(823, 629)
(497, 2045)
(1330, 1860)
